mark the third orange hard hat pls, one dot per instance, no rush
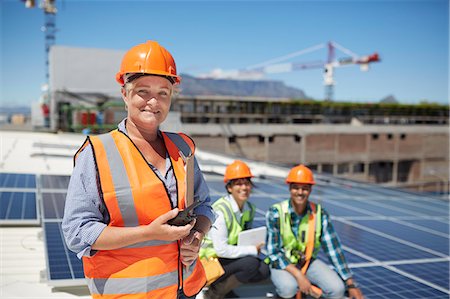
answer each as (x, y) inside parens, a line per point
(300, 174)
(237, 170)
(148, 58)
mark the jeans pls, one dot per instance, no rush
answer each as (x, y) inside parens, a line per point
(318, 274)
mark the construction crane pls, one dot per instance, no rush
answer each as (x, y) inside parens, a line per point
(49, 27)
(273, 66)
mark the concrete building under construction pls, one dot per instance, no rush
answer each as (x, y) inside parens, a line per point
(399, 145)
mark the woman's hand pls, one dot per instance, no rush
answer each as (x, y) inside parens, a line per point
(190, 247)
(160, 230)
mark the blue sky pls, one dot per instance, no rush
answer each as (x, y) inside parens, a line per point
(410, 36)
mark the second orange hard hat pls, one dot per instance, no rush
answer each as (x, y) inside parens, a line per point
(300, 174)
(237, 170)
(148, 58)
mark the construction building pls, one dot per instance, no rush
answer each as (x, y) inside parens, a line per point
(398, 145)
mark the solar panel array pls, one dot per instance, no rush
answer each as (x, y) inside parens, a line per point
(18, 204)
(397, 243)
(63, 266)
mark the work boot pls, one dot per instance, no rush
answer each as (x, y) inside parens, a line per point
(219, 290)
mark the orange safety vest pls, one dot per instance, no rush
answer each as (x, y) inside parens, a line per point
(134, 195)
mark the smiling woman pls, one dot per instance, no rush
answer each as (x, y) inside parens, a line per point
(126, 186)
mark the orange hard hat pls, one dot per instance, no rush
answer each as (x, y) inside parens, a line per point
(148, 58)
(300, 174)
(237, 170)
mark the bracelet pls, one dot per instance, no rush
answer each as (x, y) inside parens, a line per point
(351, 286)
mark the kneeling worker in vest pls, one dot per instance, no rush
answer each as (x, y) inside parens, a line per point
(129, 183)
(296, 229)
(234, 214)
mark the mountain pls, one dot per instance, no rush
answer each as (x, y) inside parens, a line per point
(227, 87)
(15, 110)
(390, 99)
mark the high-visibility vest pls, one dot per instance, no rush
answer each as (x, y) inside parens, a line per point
(294, 246)
(134, 195)
(234, 227)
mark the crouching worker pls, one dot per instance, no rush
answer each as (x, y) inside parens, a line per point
(296, 229)
(234, 214)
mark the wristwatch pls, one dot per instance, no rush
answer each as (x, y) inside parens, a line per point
(351, 286)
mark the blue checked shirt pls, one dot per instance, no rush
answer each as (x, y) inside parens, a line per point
(329, 241)
(85, 214)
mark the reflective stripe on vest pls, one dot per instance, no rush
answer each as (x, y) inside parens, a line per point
(134, 195)
(233, 226)
(294, 245)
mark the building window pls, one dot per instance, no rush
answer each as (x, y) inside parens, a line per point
(403, 136)
(374, 136)
(389, 136)
(271, 139)
(358, 167)
(261, 139)
(297, 138)
(312, 167)
(232, 139)
(327, 168)
(343, 168)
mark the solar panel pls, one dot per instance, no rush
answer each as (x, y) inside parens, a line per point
(63, 266)
(390, 242)
(380, 283)
(62, 263)
(18, 199)
(55, 181)
(53, 206)
(17, 180)
(18, 208)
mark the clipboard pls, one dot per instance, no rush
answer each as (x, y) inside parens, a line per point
(254, 236)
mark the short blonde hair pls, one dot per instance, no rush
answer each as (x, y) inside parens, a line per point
(128, 86)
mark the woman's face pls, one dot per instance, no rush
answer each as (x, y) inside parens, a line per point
(148, 101)
(240, 189)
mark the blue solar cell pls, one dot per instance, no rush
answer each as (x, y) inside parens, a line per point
(436, 273)
(55, 181)
(264, 202)
(381, 283)
(17, 180)
(418, 207)
(437, 225)
(18, 206)
(53, 205)
(367, 206)
(375, 246)
(217, 187)
(425, 239)
(270, 188)
(335, 209)
(62, 263)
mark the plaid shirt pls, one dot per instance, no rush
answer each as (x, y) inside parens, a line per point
(329, 241)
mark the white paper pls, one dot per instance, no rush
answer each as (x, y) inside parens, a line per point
(254, 236)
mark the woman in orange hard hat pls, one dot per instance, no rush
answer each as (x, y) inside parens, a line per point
(234, 214)
(293, 265)
(128, 184)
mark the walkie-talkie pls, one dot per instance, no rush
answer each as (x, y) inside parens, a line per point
(186, 216)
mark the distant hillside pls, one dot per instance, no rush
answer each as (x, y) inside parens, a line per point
(15, 110)
(276, 89)
(390, 99)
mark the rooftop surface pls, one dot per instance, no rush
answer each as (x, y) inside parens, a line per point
(396, 242)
